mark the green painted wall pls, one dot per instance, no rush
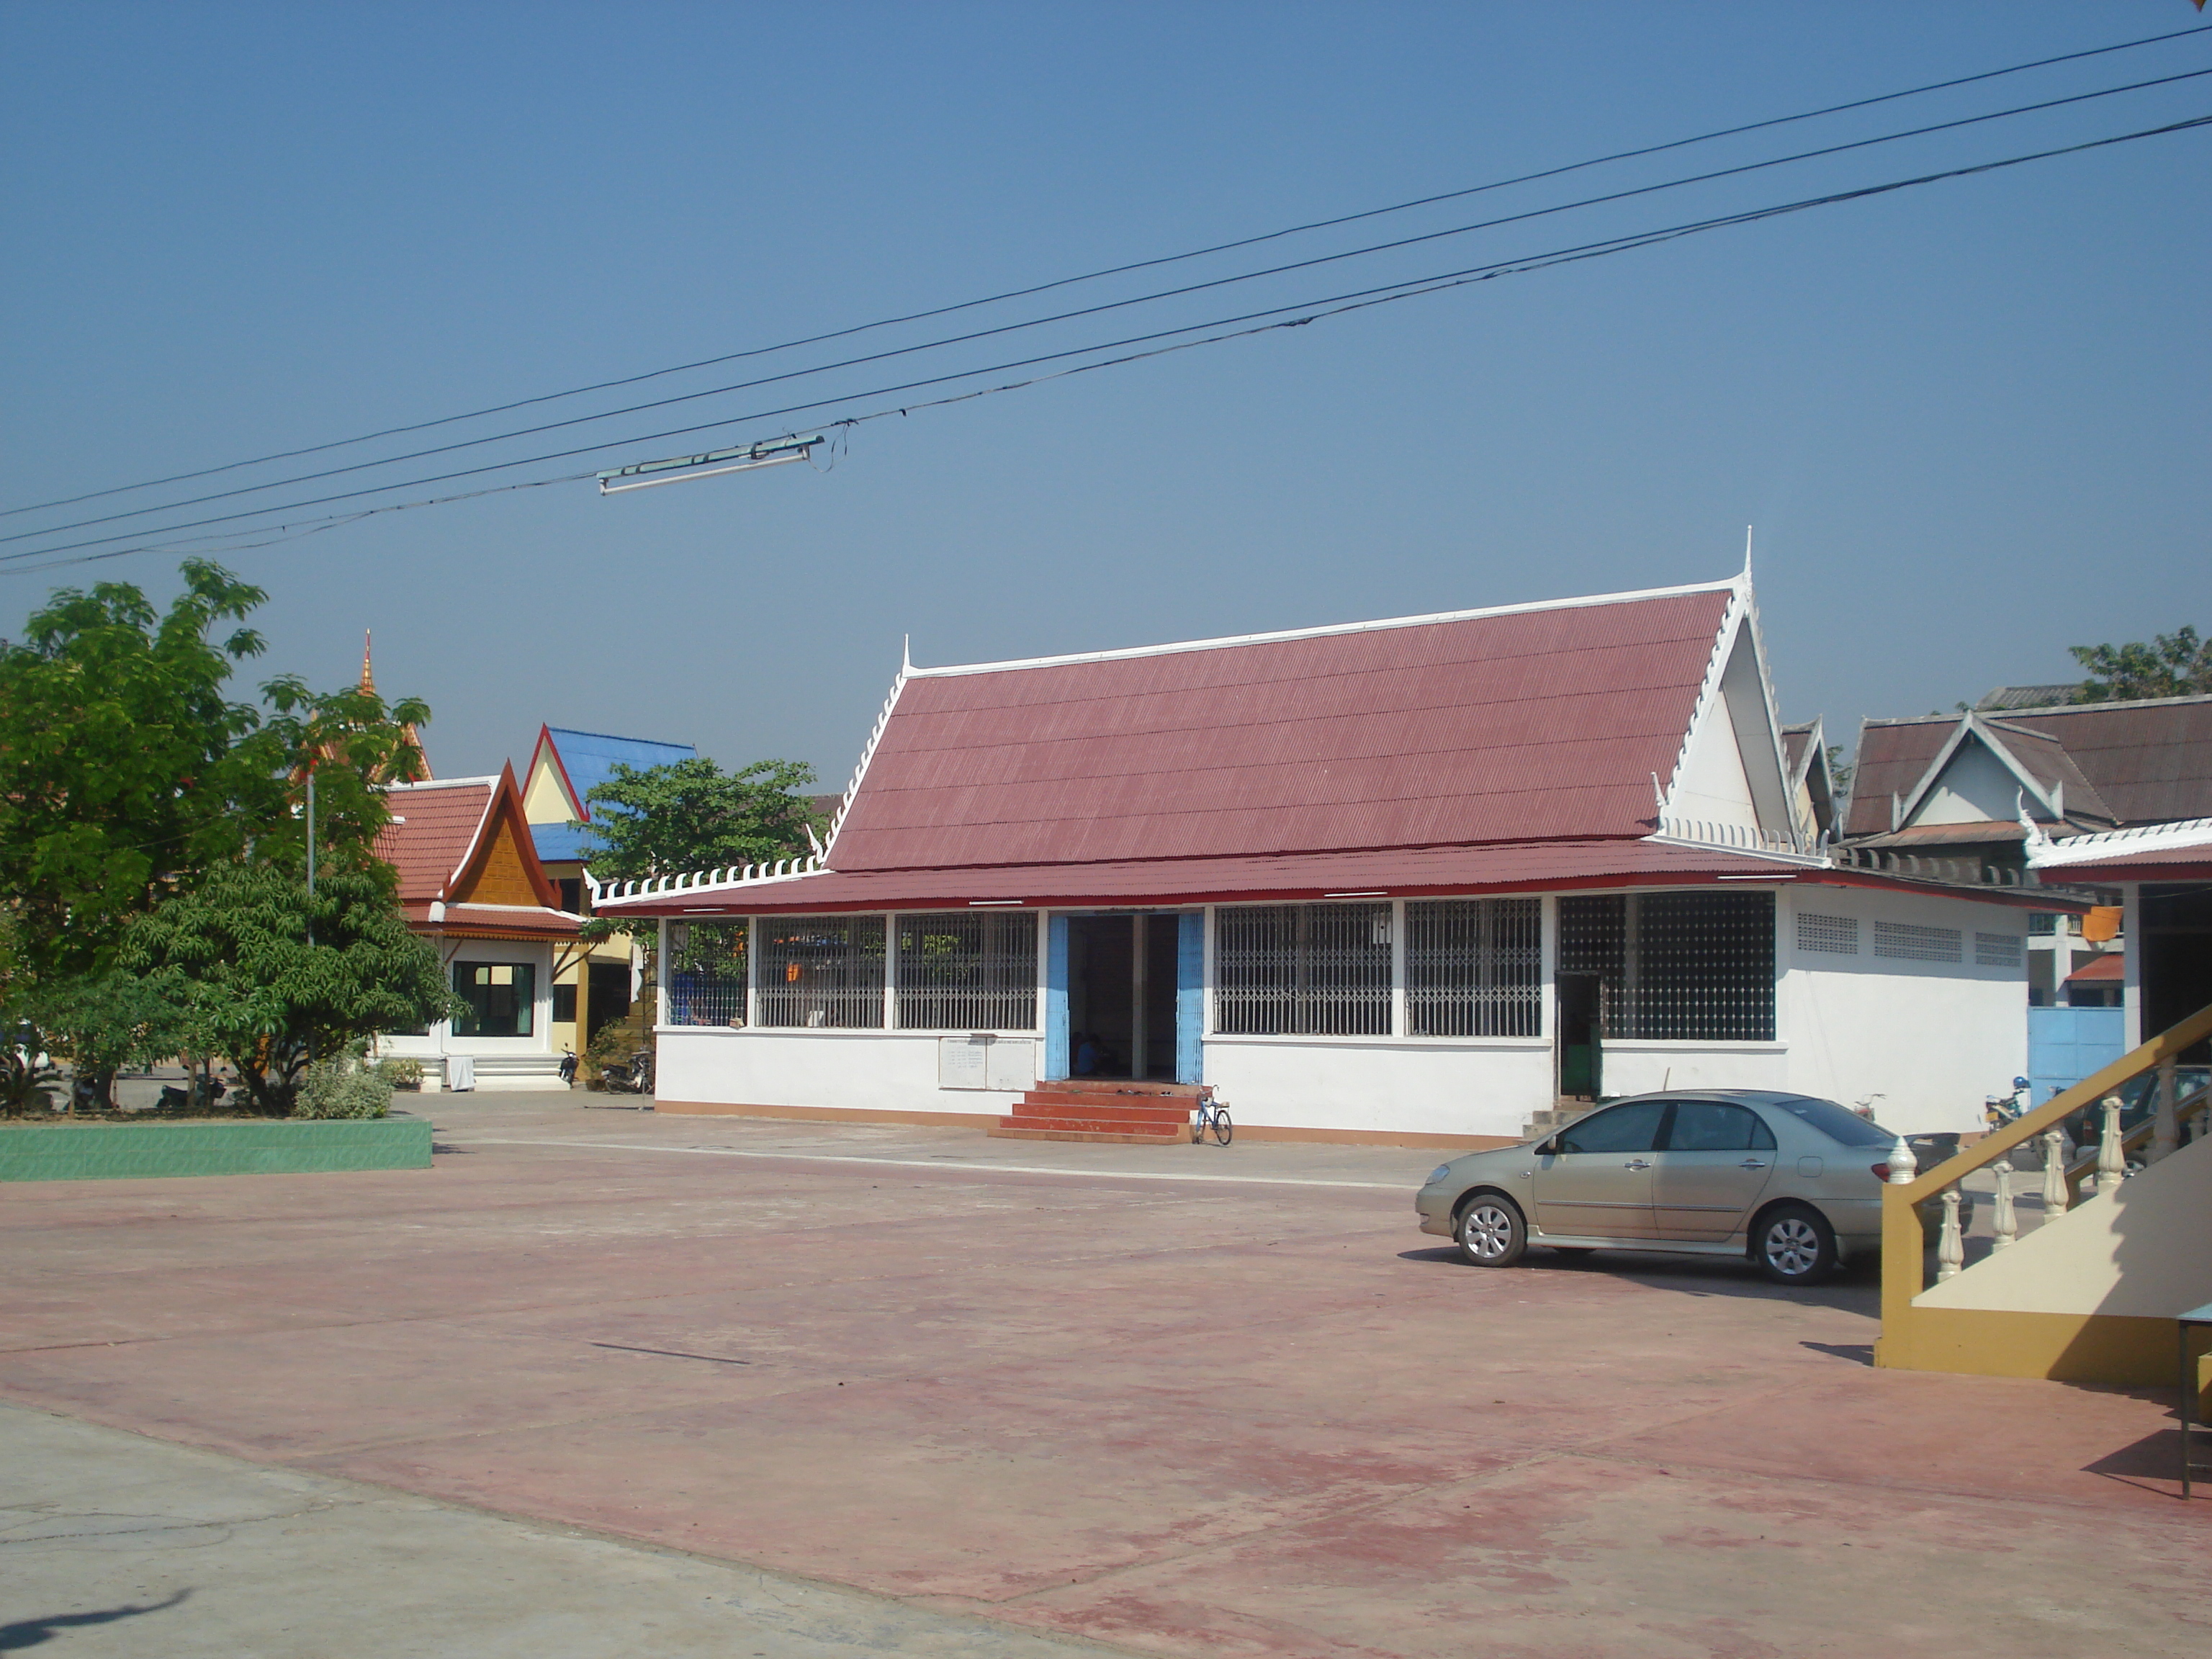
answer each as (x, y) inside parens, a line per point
(125, 1151)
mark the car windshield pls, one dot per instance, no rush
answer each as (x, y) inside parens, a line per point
(1835, 1121)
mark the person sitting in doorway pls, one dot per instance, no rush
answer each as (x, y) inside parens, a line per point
(1087, 1056)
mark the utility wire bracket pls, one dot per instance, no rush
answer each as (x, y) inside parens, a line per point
(645, 474)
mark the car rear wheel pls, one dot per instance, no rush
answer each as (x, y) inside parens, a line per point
(1490, 1232)
(1793, 1244)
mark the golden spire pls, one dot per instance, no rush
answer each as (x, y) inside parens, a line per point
(367, 674)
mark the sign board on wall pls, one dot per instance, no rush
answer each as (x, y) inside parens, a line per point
(983, 1061)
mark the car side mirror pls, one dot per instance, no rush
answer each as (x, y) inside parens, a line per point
(1549, 1149)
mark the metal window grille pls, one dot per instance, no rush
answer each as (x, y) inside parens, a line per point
(1837, 935)
(1999, 949)
(707, 973)
(1474, 967)
(1908, 941)
(968, 973)
(821, 971)
(1696, 967)
(2043, 921)
(1302, 970)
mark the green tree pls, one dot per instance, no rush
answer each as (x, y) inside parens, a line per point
(101, 1023)
(126, 768)
(232, 956)
(691, 815)
(2173, 666)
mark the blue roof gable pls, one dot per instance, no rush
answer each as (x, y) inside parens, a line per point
(589, 758)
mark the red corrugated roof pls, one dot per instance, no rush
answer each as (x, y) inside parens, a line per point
(1540, 723)
(434, 826)
(2112, 967)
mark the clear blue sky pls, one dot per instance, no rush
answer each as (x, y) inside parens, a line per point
(1970, 421)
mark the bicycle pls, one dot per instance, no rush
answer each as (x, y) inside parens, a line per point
(1210, 1113)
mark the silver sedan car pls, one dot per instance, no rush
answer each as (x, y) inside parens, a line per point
(1791, 1181)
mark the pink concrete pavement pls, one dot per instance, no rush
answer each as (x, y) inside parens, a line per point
(1178, 1418)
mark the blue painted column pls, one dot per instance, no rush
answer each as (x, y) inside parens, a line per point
(1055, 1000)
(1190, 996)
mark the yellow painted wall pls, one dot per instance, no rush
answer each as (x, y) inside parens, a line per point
(543, 800)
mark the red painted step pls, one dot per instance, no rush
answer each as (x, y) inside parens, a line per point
(1123, 1112)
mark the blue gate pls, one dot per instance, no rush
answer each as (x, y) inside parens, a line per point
(2065, 1045)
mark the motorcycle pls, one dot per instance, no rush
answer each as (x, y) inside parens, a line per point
(2000, 1110)
(631, 1077)
(198, 1095)
(568, 1068)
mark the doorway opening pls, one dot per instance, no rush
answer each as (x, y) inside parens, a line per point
(1581, 1028)
(1121, 996)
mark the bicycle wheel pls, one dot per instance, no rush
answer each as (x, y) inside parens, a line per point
(1222, 1130)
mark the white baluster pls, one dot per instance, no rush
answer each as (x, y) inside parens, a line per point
(2111, 1161)
(2003, 1222)
(2055, 1196)
(1950, 1248)
(2165, 1137)
(1903, 1166)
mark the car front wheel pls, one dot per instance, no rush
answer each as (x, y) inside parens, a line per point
(1490, 1232)
(1793, 1244)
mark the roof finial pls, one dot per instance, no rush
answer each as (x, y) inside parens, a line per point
(906, 654)
(1746, 552)
(367, 674)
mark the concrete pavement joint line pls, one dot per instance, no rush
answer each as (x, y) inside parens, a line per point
(939, 1164)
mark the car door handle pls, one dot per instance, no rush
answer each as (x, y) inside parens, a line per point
(1751, 1164)
(1636, 1164)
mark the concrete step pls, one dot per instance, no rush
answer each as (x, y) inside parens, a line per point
(1003, 1132)
(1093, 1123)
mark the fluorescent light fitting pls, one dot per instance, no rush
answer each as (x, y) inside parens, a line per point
(979, 902)
(1378, 892)
(644, 475)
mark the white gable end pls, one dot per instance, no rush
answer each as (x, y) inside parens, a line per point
(1711, 785)
(1976, 787)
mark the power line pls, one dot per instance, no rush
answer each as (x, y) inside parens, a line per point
(1112, 271)
(1312, 311)
(1103, 306)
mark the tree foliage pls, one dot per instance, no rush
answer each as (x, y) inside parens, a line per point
(233, 957)
(2172, 665)
(127, 769)
(691, 815)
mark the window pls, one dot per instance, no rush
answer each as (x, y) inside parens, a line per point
(968, 973)
(1631, 1128)
(572, 894)
(2043, 921)
(1837, 935)
(1694, 966)
(564, 1004)
(1846, 1127)
(821, 971)
(1302, 970)
(1718, 1125)
(1474, 967)
(1999, 949)
(1908, 941)
(707, 973)
(501, 998)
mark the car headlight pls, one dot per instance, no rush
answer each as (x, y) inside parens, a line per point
(1436, 1174)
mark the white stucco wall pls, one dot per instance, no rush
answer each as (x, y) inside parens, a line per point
(858, 1072)
(1925, 1042)
(1373, 1086)
(2144, 1250)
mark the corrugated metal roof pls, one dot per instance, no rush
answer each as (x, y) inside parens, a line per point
(1399, 872)
(560, 844)
(2142, 762)
(2151, 762)
(1544, 723)
(2046, 760)
(433, 827)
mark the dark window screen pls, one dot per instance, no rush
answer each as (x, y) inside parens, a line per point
(1833, 1121)
(501, 998)
(1633, 1128)
(1689, 967)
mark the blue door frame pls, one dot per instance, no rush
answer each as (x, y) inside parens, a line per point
(1189, 998)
